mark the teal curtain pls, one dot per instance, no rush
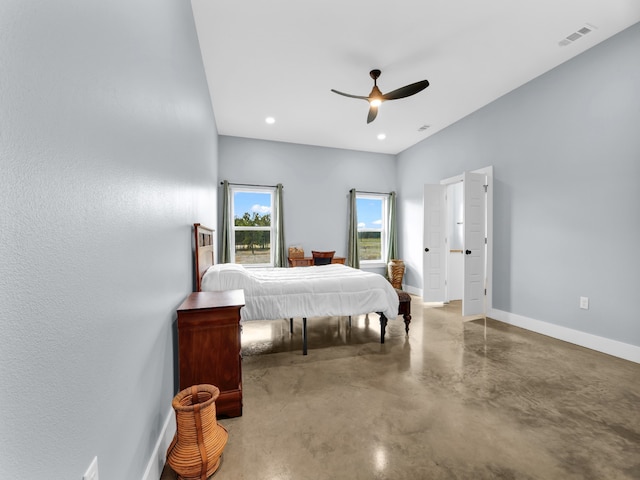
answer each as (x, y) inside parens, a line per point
(353, 259)
(392, 241)
(280, 258)
(225, 241)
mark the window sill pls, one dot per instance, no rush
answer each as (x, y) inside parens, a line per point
(370, 264)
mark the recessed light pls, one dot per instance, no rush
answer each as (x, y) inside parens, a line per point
(381, 136)
(270, 120)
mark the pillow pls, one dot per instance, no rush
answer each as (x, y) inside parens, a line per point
(225, 276)
(228, 267)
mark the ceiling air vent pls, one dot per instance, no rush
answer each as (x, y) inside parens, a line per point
(569, 39)
(423, 128)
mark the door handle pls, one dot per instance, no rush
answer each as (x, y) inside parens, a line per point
(468, 252)
(426, 249)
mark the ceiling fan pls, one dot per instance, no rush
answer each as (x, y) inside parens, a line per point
(376, 97)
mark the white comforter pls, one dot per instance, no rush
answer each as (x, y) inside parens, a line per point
(327, 290)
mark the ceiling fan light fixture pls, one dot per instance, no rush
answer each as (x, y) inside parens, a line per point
(376, 97)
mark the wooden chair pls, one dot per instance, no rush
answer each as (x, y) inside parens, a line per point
(322, 258)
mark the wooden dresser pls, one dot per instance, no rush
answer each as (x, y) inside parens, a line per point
(209, 348)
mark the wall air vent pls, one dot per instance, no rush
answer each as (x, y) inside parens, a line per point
(569, 39)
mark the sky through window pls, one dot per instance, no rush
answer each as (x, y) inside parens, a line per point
(369, 210)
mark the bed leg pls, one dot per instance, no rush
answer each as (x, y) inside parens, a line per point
(304, 336)
(291, 326)
(383, 326)
(407, 321)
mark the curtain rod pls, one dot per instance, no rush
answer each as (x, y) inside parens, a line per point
(374, 193)
(249, 185)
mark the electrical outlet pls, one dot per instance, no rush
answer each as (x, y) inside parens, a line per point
(584, 303)
(92, 471)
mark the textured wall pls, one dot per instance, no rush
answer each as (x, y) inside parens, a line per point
(108, 152)
(566, 152)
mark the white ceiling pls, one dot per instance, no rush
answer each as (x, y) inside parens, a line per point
(281, 58)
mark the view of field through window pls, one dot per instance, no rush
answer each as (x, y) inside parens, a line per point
(370, 227)
(252, 227)
(252, 217)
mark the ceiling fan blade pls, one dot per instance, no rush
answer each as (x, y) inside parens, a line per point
(406, 91)
(373, 112)
(349, 95)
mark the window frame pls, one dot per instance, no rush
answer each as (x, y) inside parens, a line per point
(384, 228)
(233, 189)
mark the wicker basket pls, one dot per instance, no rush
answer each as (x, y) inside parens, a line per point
(296, 252)
(396, 272)
(194, 453)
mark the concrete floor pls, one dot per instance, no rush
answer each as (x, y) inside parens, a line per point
(442, 403)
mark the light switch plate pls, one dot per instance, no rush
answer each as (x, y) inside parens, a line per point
(584, 303)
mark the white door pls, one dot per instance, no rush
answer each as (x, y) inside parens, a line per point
(474, 243)
(434, 266)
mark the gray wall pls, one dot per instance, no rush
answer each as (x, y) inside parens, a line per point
(108, 153)
(316, 184)
(566, 152)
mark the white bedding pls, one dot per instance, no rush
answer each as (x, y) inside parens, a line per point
(327, 290)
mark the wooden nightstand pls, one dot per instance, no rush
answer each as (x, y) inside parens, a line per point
(209, 348)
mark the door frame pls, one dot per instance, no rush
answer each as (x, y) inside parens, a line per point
(488, 171)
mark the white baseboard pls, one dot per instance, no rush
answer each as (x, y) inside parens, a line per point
(159, 454)
(412, 290)
(599, 344)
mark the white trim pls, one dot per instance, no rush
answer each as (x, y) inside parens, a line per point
(488, 171)
(159, 454)
(433, 304)
(600, 344)
(384, 228)
(271, 191)
(412, 290)
(451, 180)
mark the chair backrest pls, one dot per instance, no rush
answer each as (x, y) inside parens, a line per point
(322, 258)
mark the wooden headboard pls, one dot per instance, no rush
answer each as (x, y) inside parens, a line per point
(204, 254)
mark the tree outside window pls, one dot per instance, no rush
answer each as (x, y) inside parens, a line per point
(253, 229)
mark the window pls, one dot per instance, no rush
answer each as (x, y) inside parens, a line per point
(372, 227)
(252, 228)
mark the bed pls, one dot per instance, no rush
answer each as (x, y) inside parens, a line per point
(298, 292)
